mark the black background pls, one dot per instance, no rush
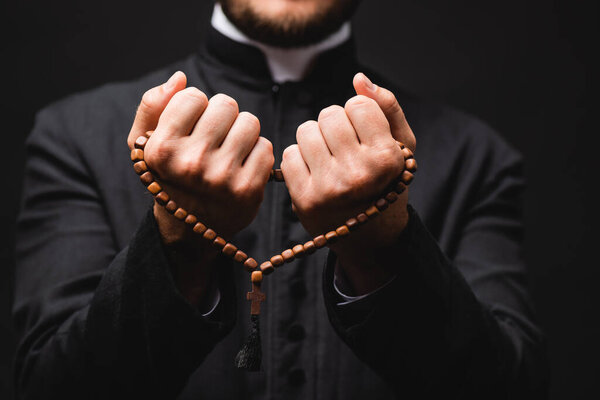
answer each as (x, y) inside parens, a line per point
(527, 67)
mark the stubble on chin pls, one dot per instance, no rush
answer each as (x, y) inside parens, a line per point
(295, 28)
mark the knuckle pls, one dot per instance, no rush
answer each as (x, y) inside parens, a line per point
(389, 103)
(194, 95)
(250, 121)
(358, 101)
(305, 128)
(226, 102)
(148, 101)
(330, 112)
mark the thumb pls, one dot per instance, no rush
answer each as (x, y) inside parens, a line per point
(152, 105)
(389, 105)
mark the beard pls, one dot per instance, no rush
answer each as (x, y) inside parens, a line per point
(292, 29)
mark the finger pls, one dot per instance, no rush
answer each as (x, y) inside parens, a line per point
(368, 120)
(260, 161)
(219, 116)
(241, 137)
(293, 167)
(388, 103)
(312, 145)
(182, 113)
(338, 131)
(152, 105)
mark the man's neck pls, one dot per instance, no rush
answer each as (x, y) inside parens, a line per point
(285, 64)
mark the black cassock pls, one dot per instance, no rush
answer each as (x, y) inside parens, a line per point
(99, 316)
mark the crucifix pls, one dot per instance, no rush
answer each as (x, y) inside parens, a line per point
(256, 296)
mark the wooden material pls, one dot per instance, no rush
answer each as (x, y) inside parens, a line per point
(267, 267)
(137, 155)
(256, 297)
(342, 231)
(190, 219)
(146, 178)
(256, 277)
(372, 212)
(140, 167)
(154, 188)
(162, 198)
(299, 250)
(277, 260)
(288, 255)
(229, 250)
(250, 264)
(219, 242)
(199, 228)
(180, 214)
(331, 237)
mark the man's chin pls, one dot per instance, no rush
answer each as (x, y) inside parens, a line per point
(295, 25)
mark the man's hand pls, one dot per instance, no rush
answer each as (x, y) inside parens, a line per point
(207, 156)
(343, 162)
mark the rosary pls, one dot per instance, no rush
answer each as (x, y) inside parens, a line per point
(249, 357)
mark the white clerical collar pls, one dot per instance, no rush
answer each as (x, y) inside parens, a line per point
(285, 64)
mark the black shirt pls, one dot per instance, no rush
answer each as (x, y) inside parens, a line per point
(99, 316)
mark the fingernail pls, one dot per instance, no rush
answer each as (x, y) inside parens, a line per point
(170, 84)
(370, 85)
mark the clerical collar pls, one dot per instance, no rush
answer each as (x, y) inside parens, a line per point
(284, 64)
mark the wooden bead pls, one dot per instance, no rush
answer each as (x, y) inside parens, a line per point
(382, 204)
(229, 250)
(362, 218)
(391, 197)
(250, 264)
(256, 277)
(331, 237)
(400, 144)
(309, 247)
(140, 167)
(140, 142)
(407, 177)
(372, 212)
(400, 187)
(411, 165)
(278, 175)
(219, 242)
(209, 234)
(137, 155)
(342, 231)
(267, 268)
(352, 224)
(298, 250)
(277, 260)
(191, 219)
(154, 188)
(180, 214)
(146, 178)
(162, 198)
(288, 255)
(199, 228)
(320, 241)
(240, 256)
(171, 206)
(407, 153)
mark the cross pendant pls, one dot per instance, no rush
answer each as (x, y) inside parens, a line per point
(256, 297)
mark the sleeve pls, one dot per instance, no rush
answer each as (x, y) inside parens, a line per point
(453, 328)
(95, 321)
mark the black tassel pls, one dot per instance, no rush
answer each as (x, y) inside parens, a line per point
(250, 355)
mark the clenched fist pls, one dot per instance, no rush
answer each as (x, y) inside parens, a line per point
(343, 162)
(208, 156)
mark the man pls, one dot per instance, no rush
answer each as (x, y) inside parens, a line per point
(116, 298)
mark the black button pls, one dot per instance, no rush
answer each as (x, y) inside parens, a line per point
(296, 333)
(275, 88)
(296, 377)
(298, 289)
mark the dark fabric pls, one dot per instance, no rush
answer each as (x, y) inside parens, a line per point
(99, 316)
